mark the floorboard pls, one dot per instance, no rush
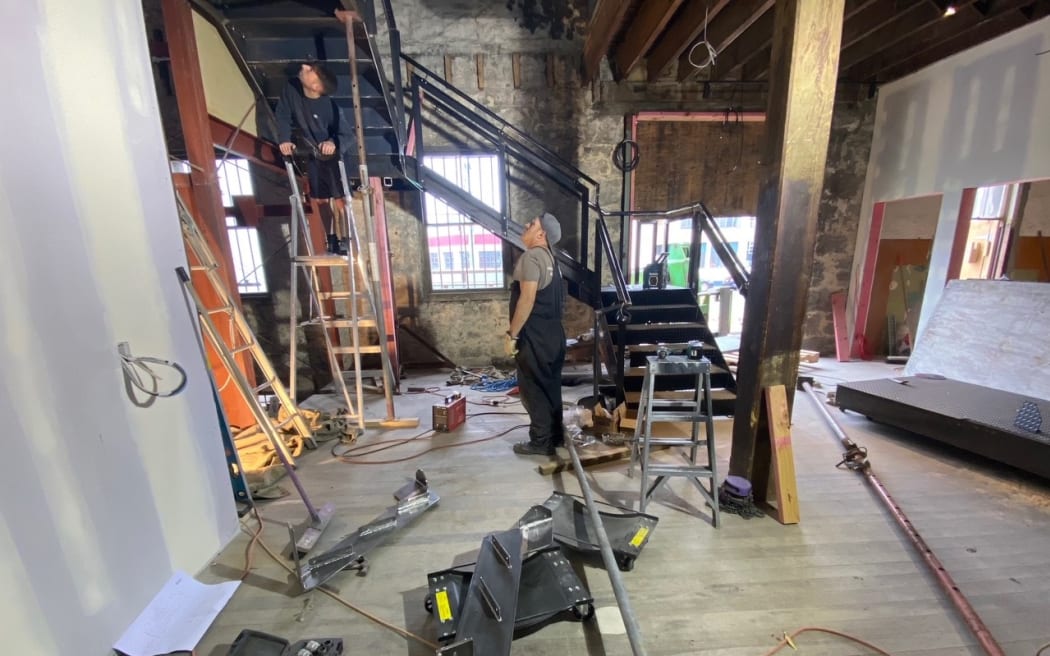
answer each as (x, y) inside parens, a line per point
(696, 590)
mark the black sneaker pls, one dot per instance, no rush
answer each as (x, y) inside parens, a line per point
(530, 449)
(333, 245)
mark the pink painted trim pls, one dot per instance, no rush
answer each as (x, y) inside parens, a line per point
(746, 117)
(867, 282)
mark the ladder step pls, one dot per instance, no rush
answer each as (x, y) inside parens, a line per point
(287, 420)
(241, 349)
(340, 323)
(666, 415)
(322, 260)
(675, 441)
(350, 350)
(202, 267)
(339, 296)
(228, 308)
(261, 386)
(693, 471)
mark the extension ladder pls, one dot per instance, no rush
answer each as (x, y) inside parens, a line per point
(243, 339)
(696, 411)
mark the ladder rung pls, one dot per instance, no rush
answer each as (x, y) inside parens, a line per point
(664, 415)
(344, 350)
(694, 471)
(322, 260)
(674, 441)
(223, 308)
(202, 267)
(338, 296)
(340, 322)
(241, 349)
(261, 386)
(287, 420)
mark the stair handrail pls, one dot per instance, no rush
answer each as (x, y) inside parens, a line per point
(505, 127)
(397, 96)
(729, 257)
(623, 295)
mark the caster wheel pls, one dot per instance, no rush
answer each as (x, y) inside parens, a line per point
(583, 612)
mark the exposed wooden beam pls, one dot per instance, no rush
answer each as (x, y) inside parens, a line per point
(757, 37)
(916, 17)
(860, 19)
(651, 20)
(806, 45)
(725, 29)
(980, 33)
(687, 27)
(940, 31)
(605, 23)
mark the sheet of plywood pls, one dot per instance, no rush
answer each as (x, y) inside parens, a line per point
(990, 333)
(783, 457)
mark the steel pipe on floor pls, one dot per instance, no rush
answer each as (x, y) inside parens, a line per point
(630, 622)
(856, 459)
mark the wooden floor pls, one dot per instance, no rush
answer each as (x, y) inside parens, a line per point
(695, 590)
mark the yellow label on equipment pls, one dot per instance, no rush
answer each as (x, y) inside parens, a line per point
(444, 610)
(639, 537)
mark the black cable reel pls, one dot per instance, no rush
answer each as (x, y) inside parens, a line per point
(626, 155)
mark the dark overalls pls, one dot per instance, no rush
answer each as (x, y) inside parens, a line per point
(541, 354)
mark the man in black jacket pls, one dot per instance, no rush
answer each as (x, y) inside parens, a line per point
(310, 123)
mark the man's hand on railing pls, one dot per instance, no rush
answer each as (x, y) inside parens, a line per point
(286, 148)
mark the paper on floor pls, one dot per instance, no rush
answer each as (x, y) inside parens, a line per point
(177, 617)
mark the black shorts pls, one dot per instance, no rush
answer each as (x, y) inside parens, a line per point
(324, 178)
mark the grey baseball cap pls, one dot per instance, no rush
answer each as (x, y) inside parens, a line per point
(552, 227)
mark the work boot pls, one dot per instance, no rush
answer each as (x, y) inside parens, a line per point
(531, 449)
(333, 245)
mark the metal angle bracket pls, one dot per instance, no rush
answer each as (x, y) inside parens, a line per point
(550, 591)
(350, 552)
(628, 531)
(490, 604)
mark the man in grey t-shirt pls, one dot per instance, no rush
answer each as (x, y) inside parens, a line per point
(536, 305)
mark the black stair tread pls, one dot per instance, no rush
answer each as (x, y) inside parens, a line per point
(677, 325)
(674, 346)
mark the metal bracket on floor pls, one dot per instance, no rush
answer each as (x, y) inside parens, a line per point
(628, 530)
(349, 553)
(489, 608)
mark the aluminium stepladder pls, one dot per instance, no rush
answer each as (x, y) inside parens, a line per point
(359, 308)
(243, 341)
(696, 410)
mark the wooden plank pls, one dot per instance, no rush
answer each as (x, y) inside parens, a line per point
(647, 25)
(593, 455)
(838, 318)
(605, 22)
(783, 463)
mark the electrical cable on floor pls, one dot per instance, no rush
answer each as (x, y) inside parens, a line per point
(1042, 649)
(788, 640)
(343, 458)
(405, 633)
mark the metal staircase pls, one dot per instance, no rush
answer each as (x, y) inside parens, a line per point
(398, 119)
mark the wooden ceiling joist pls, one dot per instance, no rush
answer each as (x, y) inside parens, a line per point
(966, 18)
(744, 48)
(906, 23)
(996, 26)
(724, 30)
(605, 23)
(756, 63)
(687, 27)
(651, 20)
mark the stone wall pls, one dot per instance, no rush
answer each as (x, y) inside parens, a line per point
(852, 126)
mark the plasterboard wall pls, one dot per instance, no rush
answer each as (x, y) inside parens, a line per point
(911, 218)
(975, 119)
(100, 500)
(228, 95)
